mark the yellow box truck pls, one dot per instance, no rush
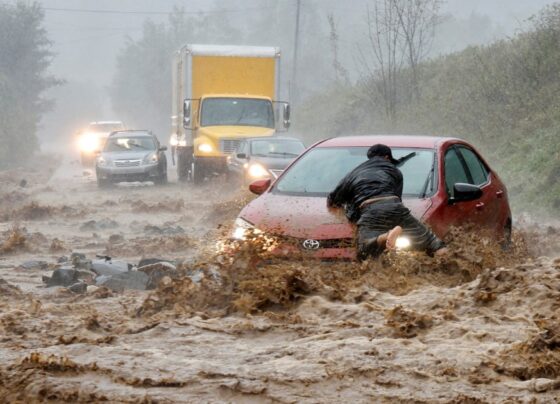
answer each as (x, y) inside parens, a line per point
(222, 94)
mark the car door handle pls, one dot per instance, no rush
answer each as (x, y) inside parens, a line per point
(500, 193)
(479, 206)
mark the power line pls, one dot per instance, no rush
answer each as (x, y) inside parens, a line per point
(100, 11)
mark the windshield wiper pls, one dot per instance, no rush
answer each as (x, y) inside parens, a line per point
(284, 154)
(404, 159)
(427, 182)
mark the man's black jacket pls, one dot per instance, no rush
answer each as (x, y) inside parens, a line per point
(372, 179)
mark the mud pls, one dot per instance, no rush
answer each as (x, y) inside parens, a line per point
(235, 325)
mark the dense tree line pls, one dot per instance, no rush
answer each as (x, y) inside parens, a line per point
(505, 97)
(24, 61)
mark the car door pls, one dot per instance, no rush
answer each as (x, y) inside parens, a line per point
(488, 204)
(459, 213)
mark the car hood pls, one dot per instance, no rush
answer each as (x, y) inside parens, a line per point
(127, 155)
(307, 217)
(272, 163)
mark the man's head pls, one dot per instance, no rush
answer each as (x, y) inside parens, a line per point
(381, 150)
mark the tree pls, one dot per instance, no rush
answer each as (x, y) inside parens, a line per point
(400, 34)
(24, 61)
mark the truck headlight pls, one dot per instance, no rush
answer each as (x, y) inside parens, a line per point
(241, 228)
(89, 142)
(402, 243)
(257, 171)
(205, 148)
(151, 158)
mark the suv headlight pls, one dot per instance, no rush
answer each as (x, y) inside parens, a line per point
(241, 228)
(103, 162)
(151, 158)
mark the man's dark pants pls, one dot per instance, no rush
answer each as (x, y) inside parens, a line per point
(382, 216)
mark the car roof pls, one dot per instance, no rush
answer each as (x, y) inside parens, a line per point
(389, 140)
(134, 132)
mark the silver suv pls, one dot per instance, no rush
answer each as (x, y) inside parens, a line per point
(131, 155)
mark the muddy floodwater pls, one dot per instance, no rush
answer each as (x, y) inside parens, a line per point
(481, 325)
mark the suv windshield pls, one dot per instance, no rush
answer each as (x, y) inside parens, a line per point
(319, 171)
(276, 148)
(237, 112)
(120, 144)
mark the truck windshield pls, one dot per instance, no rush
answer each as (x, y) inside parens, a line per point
(318, 172)
(237, 112)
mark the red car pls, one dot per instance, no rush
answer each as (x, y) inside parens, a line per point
(446, 183)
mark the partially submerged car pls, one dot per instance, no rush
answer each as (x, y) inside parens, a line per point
(92, 139)
(446, 183)
(132, 155)
(263, 157)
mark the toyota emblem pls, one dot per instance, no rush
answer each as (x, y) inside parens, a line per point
(311, 244)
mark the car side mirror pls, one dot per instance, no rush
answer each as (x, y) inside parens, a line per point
(163, 148)
(241, 156)
(259, 187)
(464, 193)
(186, 114)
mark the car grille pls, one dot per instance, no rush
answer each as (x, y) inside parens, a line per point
(127, 163)
(228, 145)
(326, 243)
(276, 173)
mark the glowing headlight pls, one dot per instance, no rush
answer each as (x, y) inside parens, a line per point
(101, 161)
(151, 158)
(89, 142)
(257, 171)
(402, 243)
(173, 140)
(182, 143)
(241, 228)
(205, 148)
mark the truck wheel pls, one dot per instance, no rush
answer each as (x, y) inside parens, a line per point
(198, 173)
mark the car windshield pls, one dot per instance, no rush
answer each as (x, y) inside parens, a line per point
(133, 143)
(320, 170)
(237, 112)
(105, 127)
(276, 148)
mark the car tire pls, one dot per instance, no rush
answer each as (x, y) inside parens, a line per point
(162, 178)
(103, 183)
(507, 243)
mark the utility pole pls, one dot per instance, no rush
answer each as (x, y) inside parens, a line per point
(295, 58)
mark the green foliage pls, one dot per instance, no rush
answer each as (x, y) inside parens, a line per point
(24, 60)
(504, 97)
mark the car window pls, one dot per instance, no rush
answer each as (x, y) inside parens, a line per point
(121, 144)
(479, 174)
(454, 171)
(320, 170)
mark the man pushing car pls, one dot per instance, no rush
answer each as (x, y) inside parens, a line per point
(371, 197)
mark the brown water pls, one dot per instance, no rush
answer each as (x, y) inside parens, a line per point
(478, 326)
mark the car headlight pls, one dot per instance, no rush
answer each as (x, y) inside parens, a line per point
(102, 161)
(402, 243)
(89, 142)
(151, 158)
(257, 171)
(205, 148)
(241, 228)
